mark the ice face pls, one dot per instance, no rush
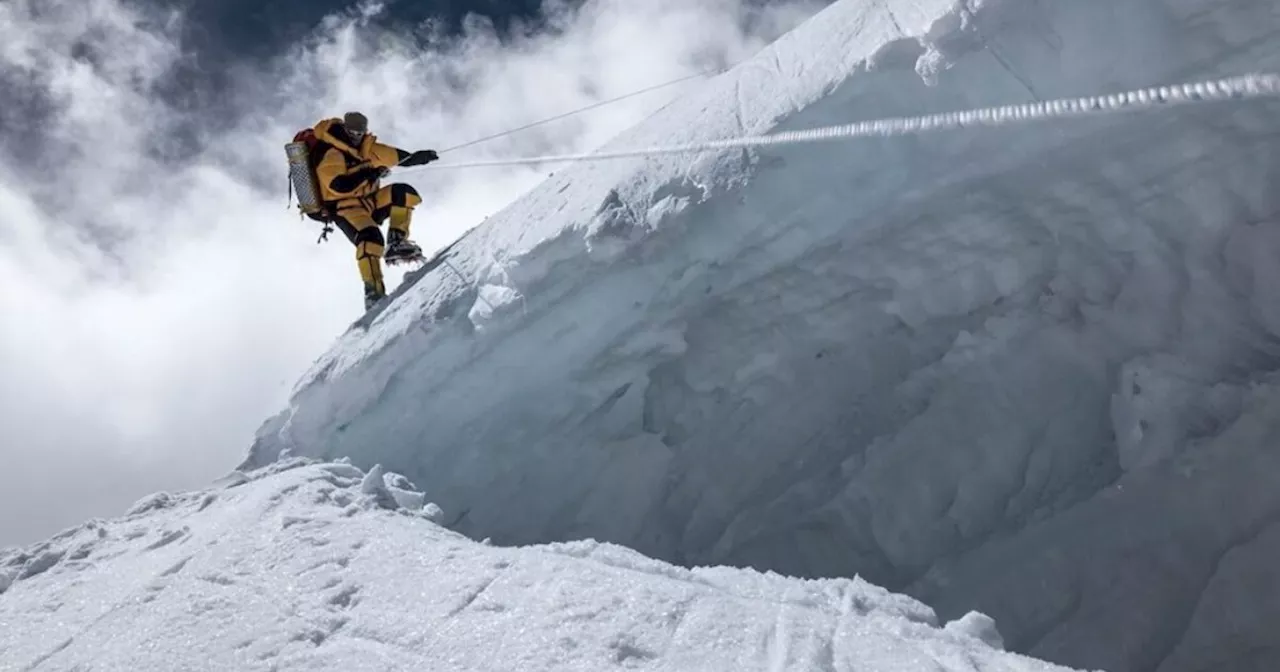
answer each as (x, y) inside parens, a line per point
(1024, 370)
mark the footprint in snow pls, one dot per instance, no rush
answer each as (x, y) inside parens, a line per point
(177, 567)
(40, 564)
(169, 537)
(345, 598)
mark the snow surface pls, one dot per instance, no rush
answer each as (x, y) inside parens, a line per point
(313, 566)
(1029, 371)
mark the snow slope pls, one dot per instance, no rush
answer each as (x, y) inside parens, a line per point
(317, 566)
(1026, 370)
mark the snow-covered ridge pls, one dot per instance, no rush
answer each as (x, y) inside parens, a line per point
(1025, 371)
(319, 566)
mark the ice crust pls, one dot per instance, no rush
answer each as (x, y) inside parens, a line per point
(308, 566)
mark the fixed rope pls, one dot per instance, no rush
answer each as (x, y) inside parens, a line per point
(1244, 87)
(580, 110)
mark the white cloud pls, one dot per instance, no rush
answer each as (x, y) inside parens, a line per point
(156, 310)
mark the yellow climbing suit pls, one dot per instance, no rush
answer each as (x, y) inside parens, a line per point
(349, 184)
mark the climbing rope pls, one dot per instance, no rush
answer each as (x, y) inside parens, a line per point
(580, 110)
(1245, 87)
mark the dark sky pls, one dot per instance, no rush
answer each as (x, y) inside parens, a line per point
(257, 29)
(222, 30)
(224, 37)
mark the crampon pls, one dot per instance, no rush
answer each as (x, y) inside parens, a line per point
(407, 259)
(403, 251)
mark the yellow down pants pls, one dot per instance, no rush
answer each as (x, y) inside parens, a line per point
(359, 218)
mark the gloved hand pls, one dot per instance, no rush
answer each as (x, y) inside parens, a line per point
(349, 182)
(421, 158)
(372, 173)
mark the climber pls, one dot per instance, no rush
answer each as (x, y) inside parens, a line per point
(349, 171)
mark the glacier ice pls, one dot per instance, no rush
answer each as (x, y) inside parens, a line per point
(1028, 371)
(303, 565)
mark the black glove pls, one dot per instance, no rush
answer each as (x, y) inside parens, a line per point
(421, 158)
(349, 182)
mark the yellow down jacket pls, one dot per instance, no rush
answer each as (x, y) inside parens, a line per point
(347, 172)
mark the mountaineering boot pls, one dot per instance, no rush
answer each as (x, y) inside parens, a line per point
(399, 248)
(369, 259)
(372, 295)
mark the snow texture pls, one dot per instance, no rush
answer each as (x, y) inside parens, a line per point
(1028, 371)
(303, 566)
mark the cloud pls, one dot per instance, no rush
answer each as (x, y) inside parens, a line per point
(159, 300)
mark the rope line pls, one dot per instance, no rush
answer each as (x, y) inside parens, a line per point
(593, 106)
(1244, 87)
